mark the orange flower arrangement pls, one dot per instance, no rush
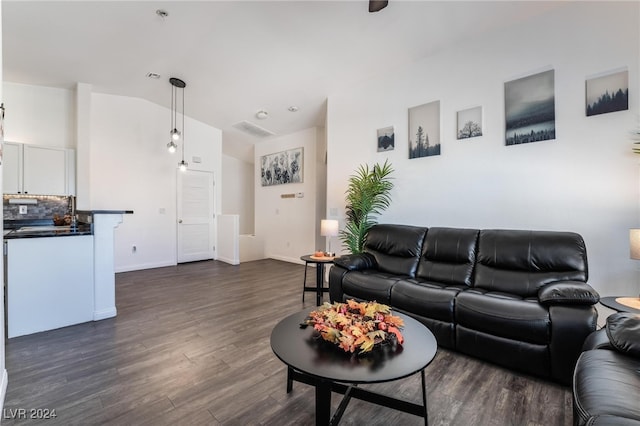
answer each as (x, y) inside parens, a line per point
(356, 325)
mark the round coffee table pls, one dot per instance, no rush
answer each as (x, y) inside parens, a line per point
(318, 364)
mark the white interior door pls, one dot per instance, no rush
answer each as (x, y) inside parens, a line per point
(196, 231)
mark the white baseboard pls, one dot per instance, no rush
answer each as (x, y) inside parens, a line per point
(228, 260)
(3, 389)
(105, 313)
(140, 266)
(286, 259)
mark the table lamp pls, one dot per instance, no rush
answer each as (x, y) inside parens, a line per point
(634, 253)
(329, 228)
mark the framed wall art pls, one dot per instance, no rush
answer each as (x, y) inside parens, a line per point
(386, 139)
(607, 93)
(282, 167)
(469, 123)
(529, 105)
(424, 130)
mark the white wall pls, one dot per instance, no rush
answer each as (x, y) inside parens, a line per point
(3, 369)
(238, 191)
(125, 162)
(131, 169)
(39, 115)
(288, 225)
(587, 180)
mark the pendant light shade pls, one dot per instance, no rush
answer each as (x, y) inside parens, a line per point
(177, 135)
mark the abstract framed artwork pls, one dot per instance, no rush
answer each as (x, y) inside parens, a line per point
(386, 139)
(607, 93)
(282, 167)
(469, 123)
(529, 105)
(424, 130)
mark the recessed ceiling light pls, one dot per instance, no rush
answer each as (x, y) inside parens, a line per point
(293, 108)
(162, 13)
(153, 75)
(262, 114)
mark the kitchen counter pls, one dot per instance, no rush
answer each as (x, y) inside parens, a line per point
(57, 282)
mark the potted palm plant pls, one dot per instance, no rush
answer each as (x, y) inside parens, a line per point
(367, 196)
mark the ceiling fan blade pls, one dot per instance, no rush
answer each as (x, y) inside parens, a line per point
(377, 5)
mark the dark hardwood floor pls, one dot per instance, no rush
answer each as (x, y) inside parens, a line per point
(190, 346)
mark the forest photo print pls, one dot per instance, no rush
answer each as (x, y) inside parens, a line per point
(529, 104)
(608, 93)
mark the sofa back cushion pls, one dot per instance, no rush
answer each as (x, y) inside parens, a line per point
(396, 248)
(448, 255)
(520, 262)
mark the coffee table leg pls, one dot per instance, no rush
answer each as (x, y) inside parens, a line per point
(289, 379)
(424, 399)
(323, 402)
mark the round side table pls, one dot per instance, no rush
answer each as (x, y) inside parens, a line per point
(611, 303)
(319, 288)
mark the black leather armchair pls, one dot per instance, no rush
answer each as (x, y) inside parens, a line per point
(606, 384)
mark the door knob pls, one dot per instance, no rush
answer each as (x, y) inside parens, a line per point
(180, 221)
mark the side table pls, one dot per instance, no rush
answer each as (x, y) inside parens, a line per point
(319, 262)
(613, 303)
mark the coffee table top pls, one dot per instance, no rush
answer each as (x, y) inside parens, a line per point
(297, 348)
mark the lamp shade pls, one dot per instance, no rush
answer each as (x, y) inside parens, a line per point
(634, 243)
(328, 228)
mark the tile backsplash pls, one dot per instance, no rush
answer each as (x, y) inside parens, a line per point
(46, 206)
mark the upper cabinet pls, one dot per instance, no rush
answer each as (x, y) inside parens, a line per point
(38, 170)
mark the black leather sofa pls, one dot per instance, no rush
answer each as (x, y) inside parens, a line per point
(515, 298)
(606, 384)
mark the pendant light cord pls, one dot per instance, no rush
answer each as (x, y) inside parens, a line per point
(183, 125)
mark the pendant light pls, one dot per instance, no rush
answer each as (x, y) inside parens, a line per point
(172, 146)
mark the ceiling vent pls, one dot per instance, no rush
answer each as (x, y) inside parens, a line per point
(253, 129)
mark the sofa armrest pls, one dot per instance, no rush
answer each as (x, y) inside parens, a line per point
(597, 340)
(357, 262)
(568, 293)
(623, 330)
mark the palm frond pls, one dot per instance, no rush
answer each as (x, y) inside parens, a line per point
(367, 196)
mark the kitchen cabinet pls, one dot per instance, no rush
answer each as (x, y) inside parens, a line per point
(38, 170)
(49, 283)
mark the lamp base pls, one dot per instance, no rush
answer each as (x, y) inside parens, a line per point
(632, 302)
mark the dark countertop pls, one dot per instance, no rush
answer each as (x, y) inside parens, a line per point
(104, 211)
(39, 228)
(48, 231)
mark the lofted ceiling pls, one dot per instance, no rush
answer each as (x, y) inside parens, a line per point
(237, 57)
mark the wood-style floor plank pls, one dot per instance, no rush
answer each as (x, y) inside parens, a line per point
(190, 346)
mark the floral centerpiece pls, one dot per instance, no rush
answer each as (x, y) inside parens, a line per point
(356, 325)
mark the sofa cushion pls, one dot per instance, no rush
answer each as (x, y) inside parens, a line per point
(504, 315)
(448, 255)
(623, 330)
(396, 248)
(369, 285)
(606, 383)
(520, 262)
(425, 298)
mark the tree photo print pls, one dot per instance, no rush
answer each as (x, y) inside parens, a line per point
(469, 123)
(424, 130)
